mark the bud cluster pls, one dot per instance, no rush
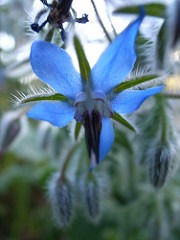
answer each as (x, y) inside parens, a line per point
(67, 199)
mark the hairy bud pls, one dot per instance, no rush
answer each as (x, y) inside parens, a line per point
(9, 129)
(61, 199)
(92, 194)
(159, 166)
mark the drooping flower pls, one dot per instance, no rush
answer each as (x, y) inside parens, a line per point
(93, 103)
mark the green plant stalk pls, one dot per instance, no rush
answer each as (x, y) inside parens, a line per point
(163, 121)
(67, 160)
(100, 22)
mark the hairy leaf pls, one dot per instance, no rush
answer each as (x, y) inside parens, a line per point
(37, 97)
(131, 83)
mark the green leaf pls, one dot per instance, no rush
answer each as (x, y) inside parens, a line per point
(83, 62)
(131, 83)
(152, 9)
(123, 121)
(77, 130)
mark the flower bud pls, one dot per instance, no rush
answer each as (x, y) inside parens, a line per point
(91, 195)
(159, 166)
(61, 199)
(9, 129)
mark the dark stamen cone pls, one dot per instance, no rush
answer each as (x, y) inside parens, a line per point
(92, 123)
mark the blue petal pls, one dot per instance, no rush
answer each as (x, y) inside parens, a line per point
(106, 138)
(117, 60)
(57, 113)
(54, 66)
(129, 100)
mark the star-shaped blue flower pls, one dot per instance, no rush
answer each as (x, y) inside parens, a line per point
(92, 104)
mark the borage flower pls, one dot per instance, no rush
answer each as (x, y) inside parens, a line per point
(91, 102)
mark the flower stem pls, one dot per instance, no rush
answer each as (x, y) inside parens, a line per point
(100, 21)
(112, 26)
(172, 95)
(162, 102)
(67, 160)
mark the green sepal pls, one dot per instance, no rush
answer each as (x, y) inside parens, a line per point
(123, 121)
(49, 35)
(131, 83)
(83, 62)
(161, 45)
(52, 97)
(77, 130)
(152, 9)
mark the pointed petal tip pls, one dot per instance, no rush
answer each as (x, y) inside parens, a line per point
(129, 101)
(142, 12)
(158, 89)
(140, 18)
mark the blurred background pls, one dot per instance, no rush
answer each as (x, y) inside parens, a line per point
(135, 193)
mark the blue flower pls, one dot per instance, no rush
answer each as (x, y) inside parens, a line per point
(92, 104)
